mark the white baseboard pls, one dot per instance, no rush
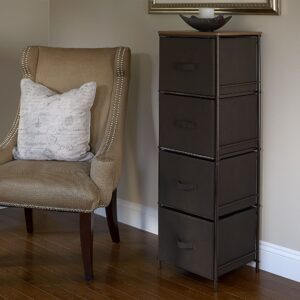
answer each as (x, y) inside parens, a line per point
(275, 259)
(279, 260)
(135, 215)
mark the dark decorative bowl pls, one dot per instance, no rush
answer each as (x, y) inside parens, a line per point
(206, 24)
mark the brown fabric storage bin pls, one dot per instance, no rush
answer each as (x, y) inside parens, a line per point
(187, 183)
(187, 124)
(187, 241)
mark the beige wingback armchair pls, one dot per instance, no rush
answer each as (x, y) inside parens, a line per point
(73, 186)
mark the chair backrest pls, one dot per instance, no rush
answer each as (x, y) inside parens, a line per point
(62, 69)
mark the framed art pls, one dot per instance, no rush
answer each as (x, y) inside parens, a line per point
(259, 7)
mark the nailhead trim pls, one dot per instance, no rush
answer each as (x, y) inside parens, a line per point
(25, 57)
(26, 74)
(46, 207)
(12, 133)
(117, 100)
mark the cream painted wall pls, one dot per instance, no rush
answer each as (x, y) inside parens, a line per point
(22, 22)
(99, 23)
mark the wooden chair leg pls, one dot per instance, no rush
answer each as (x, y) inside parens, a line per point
(86, 238)
(28, 219)
(112, 218)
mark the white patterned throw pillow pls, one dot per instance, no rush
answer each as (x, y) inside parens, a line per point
(54, 126)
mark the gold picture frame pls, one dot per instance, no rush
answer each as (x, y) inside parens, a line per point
(269, 7)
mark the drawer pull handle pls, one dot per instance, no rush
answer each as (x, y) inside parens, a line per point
(187, 187)
(185, 124)
(186, 67)
(185, 245)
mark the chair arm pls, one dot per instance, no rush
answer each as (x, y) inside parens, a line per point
(106, 165)
(7, 145)
(103, 173)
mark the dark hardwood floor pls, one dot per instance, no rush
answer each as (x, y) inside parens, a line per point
(47, 265)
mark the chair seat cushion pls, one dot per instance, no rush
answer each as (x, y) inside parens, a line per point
(53, 185)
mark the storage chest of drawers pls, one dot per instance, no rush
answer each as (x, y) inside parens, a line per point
(209, 143)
